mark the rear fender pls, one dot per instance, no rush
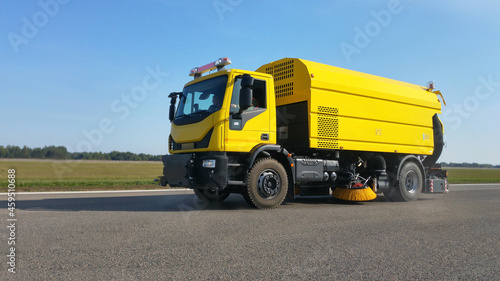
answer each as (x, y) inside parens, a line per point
(412, 158)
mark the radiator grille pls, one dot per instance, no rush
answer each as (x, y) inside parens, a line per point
(328, 127)
(172, 145)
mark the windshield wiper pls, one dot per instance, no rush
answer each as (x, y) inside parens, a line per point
(182, 116)
(199, 112)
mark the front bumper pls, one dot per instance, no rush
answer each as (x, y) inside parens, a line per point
(186, 170)
(175, 170)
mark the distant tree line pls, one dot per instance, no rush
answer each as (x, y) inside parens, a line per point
(60, 152)
(468, 165)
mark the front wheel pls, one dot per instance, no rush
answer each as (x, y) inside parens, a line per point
(267, 184)
(409, 184)
(210, 197)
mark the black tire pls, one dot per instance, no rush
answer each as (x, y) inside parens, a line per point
(409, 184)
(267, 184)
(210, 197)
(248, 200)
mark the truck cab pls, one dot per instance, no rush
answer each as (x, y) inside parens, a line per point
(209, 116)
(214, 131)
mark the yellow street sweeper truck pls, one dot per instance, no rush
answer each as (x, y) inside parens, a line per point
(299, 128)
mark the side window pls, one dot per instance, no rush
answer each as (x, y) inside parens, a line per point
(259, 94)
(259, 100)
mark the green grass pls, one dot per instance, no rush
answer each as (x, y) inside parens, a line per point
(39, 175)
(473, 175)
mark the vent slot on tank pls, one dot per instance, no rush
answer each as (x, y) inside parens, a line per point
(284, 90)
(328, 127)
(280, 72)
(283, 70)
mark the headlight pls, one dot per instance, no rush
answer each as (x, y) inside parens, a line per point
(209, 163)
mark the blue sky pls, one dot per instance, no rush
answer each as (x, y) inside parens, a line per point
(95, 75)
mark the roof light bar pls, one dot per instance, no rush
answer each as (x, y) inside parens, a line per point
(430, 86)
(219, 64)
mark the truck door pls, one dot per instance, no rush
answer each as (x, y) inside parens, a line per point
(242, 134)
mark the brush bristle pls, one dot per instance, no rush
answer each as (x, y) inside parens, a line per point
(357, 195)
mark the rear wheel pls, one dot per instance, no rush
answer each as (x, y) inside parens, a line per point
(267, 184)
(409, 184)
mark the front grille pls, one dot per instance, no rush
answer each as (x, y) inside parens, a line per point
(203, 143)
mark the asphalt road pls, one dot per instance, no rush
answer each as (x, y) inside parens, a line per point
(170, 236)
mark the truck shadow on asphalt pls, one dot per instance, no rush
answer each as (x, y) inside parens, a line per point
(162, 203)
(149, 203)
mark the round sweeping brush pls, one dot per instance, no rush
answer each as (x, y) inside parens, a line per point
(354, 194)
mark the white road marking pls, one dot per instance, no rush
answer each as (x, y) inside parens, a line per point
(98, 191)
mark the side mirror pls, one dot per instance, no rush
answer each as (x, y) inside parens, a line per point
(245, 98)
(246, 81)
(246, 92)
(171, 112)
(173, 100)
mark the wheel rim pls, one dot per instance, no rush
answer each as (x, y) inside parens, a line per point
(269, 184)
(211, 194)
(210, 191)
(411, 182)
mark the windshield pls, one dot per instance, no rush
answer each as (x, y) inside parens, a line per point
(202, 98)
